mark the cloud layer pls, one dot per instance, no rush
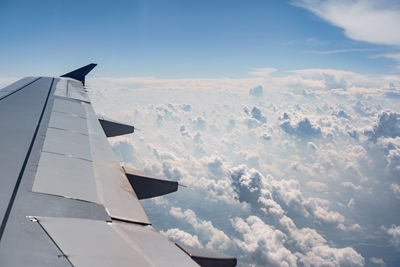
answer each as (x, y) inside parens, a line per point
(297, 175)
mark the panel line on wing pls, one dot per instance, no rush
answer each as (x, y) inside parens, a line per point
(66, 155)
(67, 130)
(66, 197)
(67, 143)
(71, 114)
(54, 242)
(13, 92)
(65, 176)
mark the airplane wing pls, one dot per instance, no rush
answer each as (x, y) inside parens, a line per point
(65, 200)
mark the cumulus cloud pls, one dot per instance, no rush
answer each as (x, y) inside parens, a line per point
(256, 91)
(199, 123)
(318, 186)
(388, 125)
(269, 195)
(256, 114)
(342, 114)
(268, 246)
(317, 192)
(215, 165)
(377, 261)
(181, 237)
(396, 190)
(394, 233)
(215, 238)
(369, 21)
(324, 255)
(264, 243)
(303, 128)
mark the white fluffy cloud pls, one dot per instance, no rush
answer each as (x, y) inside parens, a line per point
(396, 190)
(314, 193)
(216, 239)
(326, 256)
(303, 128)
(267, 246)
(264, 243)
(181, 237)
(394, 233)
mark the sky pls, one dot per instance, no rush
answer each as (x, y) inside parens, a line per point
(192, 38)
(281, 118)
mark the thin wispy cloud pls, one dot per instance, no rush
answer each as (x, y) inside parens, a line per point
(375, 22)
(342, 51)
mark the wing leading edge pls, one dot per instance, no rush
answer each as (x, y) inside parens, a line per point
(64, 197)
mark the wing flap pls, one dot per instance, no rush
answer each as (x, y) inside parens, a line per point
(65, 176)
(97, 243)
(115, 191)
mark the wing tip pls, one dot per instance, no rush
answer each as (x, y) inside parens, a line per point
(79, 74)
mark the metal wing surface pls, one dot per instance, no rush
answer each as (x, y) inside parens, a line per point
(65, 200)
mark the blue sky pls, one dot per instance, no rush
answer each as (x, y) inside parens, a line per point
(175, 39)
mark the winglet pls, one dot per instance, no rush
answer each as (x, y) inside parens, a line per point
(79, 74)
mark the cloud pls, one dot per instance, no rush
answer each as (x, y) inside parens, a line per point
(342, 114)
(263, 243)
(396, 190)
(394, 233)
(395, 57)
(268, 195)
(182, 237)
(215, 238)
(388, 125)
(199, 123)
(215, 165)
(350, 185)
(377, 261)
(267, 246)
(324, 255)
(319, 210)
(391, 149)
(263, 72)
(340, 51)
(318, 192)
(303, 128)
(256, 91)
(351, 204)
(318, 186)
(256, 114)
(369, 21)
